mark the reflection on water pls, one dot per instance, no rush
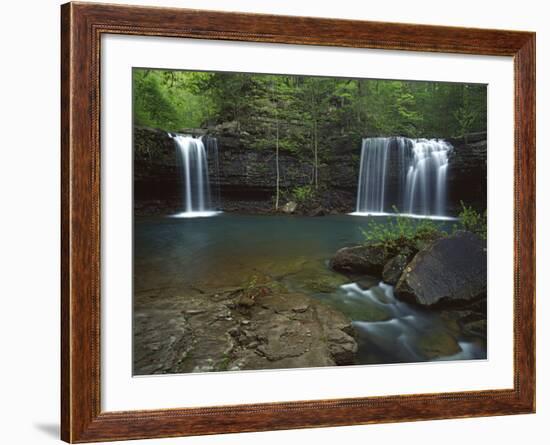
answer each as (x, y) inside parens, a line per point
(207, 254)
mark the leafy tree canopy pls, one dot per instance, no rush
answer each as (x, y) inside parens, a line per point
(307, 109)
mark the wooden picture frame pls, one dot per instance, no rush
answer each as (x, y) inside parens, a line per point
(82, 26)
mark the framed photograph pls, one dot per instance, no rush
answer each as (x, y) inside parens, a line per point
(274, 222)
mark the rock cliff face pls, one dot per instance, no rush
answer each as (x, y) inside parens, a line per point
(156, 175)
(467, 174)
(247, 177)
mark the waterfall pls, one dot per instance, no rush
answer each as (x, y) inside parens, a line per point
(372, 175)
(193, 164)
(418, 172)
(211, 145)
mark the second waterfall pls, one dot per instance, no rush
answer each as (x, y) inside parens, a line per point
(410, 174)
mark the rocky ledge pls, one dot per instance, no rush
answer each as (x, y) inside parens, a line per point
(238, 329)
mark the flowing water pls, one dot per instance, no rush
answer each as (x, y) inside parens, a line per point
(193, 165)
(174, 256)
(418, 183)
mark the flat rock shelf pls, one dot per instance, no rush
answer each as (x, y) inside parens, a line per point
(230, 331)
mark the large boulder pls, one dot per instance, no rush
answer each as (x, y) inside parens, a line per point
(450, 271)
(369, 259)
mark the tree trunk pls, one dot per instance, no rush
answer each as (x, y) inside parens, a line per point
(316, 156)
(277, 163)
(278, 179)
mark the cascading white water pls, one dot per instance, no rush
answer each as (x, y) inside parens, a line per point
(192, 158)
(372, 175)
(399, 332)
(211, 145)
(421, 186)
(426, 180)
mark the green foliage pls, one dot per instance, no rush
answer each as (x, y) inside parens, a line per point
(307, 108)
(473, 221)
(171, 100)
(303, 194)
(251, 283)
(400, 232)
(223, 364)
(470, 111)
(151, 103)
(252, 290)
(466, 119)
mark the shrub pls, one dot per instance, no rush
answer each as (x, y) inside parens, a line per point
(400, 232)
(303, 193)
(473, 221)
(252, 290)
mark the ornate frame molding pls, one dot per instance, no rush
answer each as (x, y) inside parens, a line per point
(82, 25)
